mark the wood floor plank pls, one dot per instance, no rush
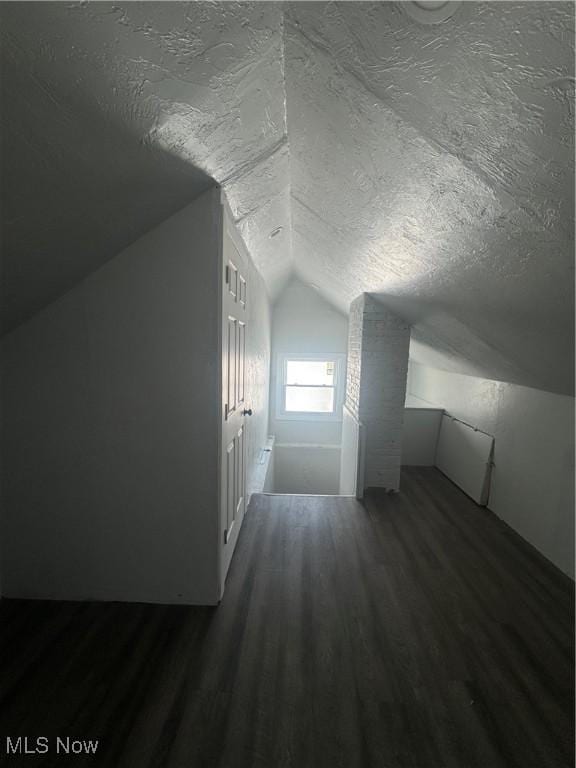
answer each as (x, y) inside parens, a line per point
(412, 630)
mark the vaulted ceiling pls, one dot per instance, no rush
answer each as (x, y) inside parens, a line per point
(360, 149)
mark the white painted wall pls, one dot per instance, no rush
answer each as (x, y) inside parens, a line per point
(306, 468)
(533, 477)
(111, 420)
(350, 454)
(420, 430)
(304, 322)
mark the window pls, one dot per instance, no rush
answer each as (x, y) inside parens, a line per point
(310, 387)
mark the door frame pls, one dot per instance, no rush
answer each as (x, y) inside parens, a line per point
(226, 225)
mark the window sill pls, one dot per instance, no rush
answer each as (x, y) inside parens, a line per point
(318, 417)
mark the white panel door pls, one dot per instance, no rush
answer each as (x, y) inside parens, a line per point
(234, 411)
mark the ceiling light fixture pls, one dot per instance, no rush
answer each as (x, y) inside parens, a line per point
(275, 232)
(431, 11)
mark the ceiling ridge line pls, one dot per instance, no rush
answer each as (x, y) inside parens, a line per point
(284, 81)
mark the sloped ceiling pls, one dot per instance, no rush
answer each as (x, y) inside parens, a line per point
(431, 165)
(115, 116)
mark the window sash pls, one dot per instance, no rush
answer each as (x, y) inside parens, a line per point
(325, 387)
(309, 372)
(337, 387)
(311, 386)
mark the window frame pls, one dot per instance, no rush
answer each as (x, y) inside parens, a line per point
(339, 386)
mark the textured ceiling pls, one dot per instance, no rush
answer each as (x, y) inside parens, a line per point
(433, 165)
(429, 165)
(114, 116)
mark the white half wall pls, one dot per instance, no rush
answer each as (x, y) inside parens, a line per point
(306, 468)
(464, 454)
(111, 421)
(532, 486)
(350, 454)
(420, 430)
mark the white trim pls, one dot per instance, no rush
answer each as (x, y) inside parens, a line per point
(339, 387)
(313, 495)
(360, 452)
(330, 446)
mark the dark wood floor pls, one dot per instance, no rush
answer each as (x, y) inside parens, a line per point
(414, 631)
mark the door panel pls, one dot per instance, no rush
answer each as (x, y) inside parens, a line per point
(232, 279)
(230, 487)
(241, 358)
(232, 365)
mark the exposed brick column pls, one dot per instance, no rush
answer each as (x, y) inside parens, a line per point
(377, 369)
